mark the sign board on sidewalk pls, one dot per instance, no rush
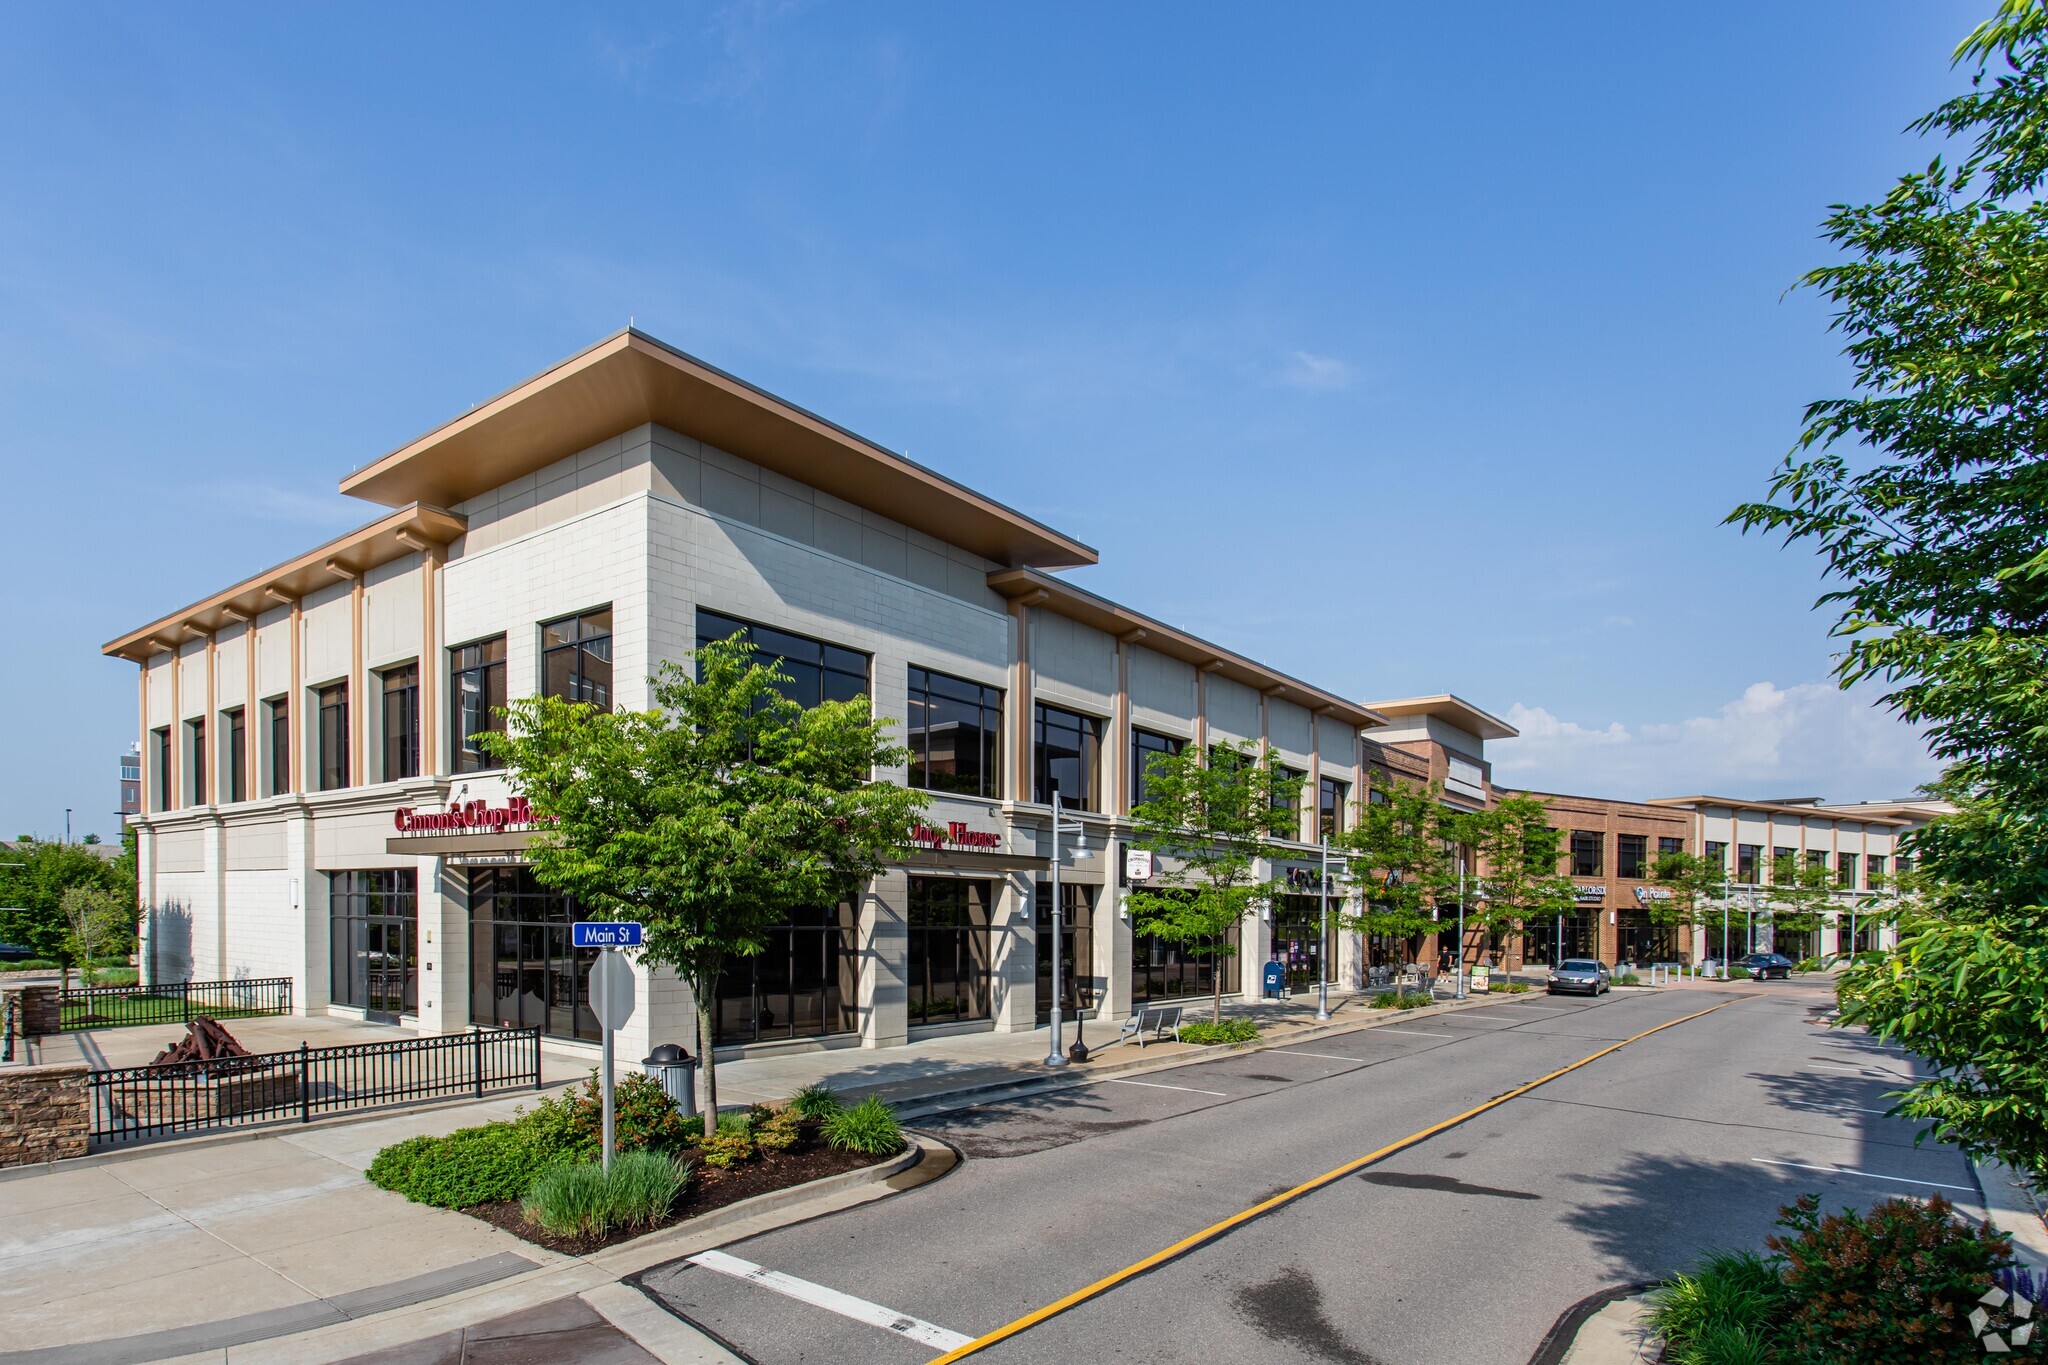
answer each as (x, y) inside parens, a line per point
(605, 933)
(611, 990)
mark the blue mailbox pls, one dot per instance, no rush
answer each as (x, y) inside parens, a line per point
(1276, 980)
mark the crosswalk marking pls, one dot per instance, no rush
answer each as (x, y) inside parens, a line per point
(832, 1301)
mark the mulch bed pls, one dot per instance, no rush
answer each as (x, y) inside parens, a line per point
(709, 1189)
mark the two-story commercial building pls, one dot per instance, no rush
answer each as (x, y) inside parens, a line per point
(317, 805)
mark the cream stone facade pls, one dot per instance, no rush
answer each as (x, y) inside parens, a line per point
(591, 524)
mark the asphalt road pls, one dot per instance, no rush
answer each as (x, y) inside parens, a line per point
(1464, 1248)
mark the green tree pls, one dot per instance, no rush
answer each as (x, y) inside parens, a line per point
(1801, 894)
(1925, 490)
(1520, 854)
(1396, 852)
(1696, 888)
(34, 876)
(711, 818)
(98, 920)
(1211, 817)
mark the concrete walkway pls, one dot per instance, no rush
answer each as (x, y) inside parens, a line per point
(273, 1232)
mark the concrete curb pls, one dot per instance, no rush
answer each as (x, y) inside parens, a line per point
(1611, 1331)
(2014, 1209)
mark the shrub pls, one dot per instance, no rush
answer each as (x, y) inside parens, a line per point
(1514, 987)
(726, 1148)
(1809, 964)
(779, 1132)
(1723, 1312)
(584, 1200)
(644, 1118)
(1236, 1032)
(1396, 1000)
(1893, 1284)
(869, 1127)
(815, 1102)
(34, 964)
(470, 1166)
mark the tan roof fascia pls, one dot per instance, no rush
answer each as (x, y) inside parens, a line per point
(1056, 595)
(630, 379)
(1452, 708)
(388, 538)
(1737, 803)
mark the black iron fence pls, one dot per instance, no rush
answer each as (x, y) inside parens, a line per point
(175, 1002)
(138, 1102)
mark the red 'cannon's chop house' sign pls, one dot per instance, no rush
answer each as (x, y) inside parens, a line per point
(956, 834)
(467, 817)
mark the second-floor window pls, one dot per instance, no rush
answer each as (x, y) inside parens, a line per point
(1783, 857)
(1146, 747)
(1586, 849)
(1288, 797)
(195, 750)
(280, 710)
(234, 782)
(1873, 871)
(333, 701)
(1632, 855)
(1331, 801)
(576, 658)
(818, 672)
(1667, 843)
(954, 731)
(160, 751)
(401, 718)
(1817, 857)
(1748, 862)
(476, 692)
(1717, 853)
(1845, 871)
(1065, 757)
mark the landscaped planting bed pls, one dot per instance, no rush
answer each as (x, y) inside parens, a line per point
(537, 1176)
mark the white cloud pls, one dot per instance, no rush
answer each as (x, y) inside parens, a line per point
(1811, 739)
(1318, 373)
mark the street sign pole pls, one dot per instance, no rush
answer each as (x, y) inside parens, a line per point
(609, 954)
(611, 998)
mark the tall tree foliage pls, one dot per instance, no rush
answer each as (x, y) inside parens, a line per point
(1925, 490)
(711, 818)
(1211, 817)
(1520, 853)
(1396, 852)
(34, 875)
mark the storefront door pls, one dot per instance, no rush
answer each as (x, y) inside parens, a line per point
(1077, 949)
(1299, 942)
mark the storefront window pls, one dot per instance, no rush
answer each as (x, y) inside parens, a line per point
(1167, 971)
(1065, 758)
(818, 672)
(804, 984)
(476, 676)
(1641, 942)
(954, 732)
(576, 658)
(1558, 937)
(373, 917)
(951, 950)
(1299, 940)
(522, 971)
(1077, 948)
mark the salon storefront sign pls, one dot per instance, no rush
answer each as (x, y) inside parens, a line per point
(955, 834)
(468, 817)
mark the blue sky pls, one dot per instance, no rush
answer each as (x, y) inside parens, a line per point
(1406, 354)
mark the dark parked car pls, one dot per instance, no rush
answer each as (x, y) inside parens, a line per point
(15, 952)
(1581, 974)
(1764, 966)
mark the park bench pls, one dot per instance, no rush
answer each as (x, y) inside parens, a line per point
(1157, 1021)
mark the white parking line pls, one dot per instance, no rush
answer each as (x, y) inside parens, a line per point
(832, 1301)
(1867, 1175)
(1324, 1056)
(1155, 1085)
(1413, 1032)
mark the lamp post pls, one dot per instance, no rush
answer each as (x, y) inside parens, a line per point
(1323, 948)
(1725, 903)
(1459, 965)
(1056, 1057)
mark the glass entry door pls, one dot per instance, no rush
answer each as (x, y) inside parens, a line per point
(1077, 948)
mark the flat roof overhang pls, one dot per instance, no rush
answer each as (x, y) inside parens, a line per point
(966, 860)
(1025, 585)
(407, 531)
(629, 379)
(1450, 707)
(1735, 803)
(444, 845)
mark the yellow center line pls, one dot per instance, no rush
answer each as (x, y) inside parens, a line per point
(1215, 1230)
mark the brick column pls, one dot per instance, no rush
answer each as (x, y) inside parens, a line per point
(45, 1114)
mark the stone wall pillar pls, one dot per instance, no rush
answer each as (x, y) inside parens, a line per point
(45, 1114)
(1015, 939)
(885, 945)
(38, 1008)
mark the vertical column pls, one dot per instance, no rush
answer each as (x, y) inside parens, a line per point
(295, 704)
(214, 842)
(306, 902)
(1113, 942)
(252, 745)
(430, 662)
(174, 751)
(884, 1001)
(1016, 955)
(209, 731)
(358, 686)
(1021, 704)
(443, 982)
(147, 767)
(145, 894)
(1313, 797)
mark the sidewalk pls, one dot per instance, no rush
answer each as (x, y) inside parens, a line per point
(265, 1234)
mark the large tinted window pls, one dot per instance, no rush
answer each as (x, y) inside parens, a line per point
(1331, 803)
(818, 672)
(576, 658)
(235, 781)
(1066, 757)
(954, 729)
(1586, 852)
(334, 736)
(952, 956)
(280, 745)
(1631, 855)
(373, 916)
(476, 691)
(805, 983)
(401, 719)
(523, 973)
(1145, 748)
